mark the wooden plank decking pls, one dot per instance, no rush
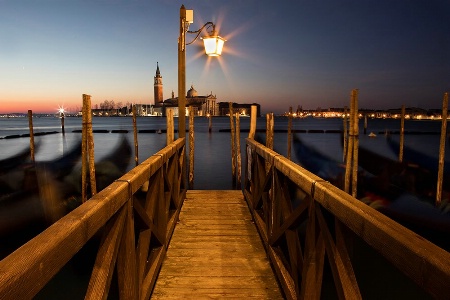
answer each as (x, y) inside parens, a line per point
(215, 252)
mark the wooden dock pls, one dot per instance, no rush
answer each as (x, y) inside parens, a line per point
(216, 252)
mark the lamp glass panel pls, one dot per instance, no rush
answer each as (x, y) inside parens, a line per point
(213, 45)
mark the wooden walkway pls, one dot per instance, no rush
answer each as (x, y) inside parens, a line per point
(216, 252)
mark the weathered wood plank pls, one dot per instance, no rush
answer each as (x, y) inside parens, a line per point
(216, 252)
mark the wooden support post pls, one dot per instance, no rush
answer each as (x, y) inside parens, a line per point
(289, 145)
(233, 144)
(84, 156)
(90, 144)
(402, 135)
(170, 130)
(269, 131)
(345, 135)
(209, 123)
(253, 116)
(30, 125)
(349, 156)
(355, 143)
(191, 147)
(136, 148)
(238, 152)
(62, 124)
(365, 124)
(442, 150)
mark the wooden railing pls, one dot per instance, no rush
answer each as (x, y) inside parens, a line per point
(301, 218)
(132, 219)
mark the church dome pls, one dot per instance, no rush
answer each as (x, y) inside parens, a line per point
(192, 92)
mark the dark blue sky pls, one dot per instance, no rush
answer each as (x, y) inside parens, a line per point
(278, 54)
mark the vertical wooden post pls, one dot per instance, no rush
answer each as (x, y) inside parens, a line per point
(209, 123)
(238, 151)
(170, 130)
(90, 145)
(442, 149)
(30, 125)
(355, 143)
(365, 123)
(349, 156)
(233, 145)
(191, 147)
(253, 116)
(289, 133)
(269, 131)
(136, 148)
(62, 124)
(402, 135)
(345, 137)
(84, 156)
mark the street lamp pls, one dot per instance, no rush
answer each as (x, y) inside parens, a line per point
(213, 47)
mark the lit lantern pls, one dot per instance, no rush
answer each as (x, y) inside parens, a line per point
(213, 45)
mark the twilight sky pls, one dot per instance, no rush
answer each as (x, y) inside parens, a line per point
(279, 53)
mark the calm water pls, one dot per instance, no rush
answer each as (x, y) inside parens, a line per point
(212, 150)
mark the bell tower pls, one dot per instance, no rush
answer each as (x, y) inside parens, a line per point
(158, 87)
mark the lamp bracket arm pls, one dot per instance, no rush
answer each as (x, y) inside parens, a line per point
(206, 25)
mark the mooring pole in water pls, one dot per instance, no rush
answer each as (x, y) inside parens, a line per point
(442, 150)
(355, 143)
(209, 123)
(289, 133)
(365, 124)
(90, 143)
(345, 136)
(251, 133)
(269, 131)
(30, 125)
(136, 147)
(84, 156)
(62, 124)
(191, 147)
(170, 130)
(402, 135)
(238, 151)
(349, 156)
(269, 135)
(233, 144)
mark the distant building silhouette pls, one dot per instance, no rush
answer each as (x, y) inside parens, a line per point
(158, 87)
(203, 105)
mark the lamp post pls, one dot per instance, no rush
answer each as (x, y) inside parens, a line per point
(213, 47)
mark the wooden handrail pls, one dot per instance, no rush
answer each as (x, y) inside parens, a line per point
(109, 213)
(299, 264)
